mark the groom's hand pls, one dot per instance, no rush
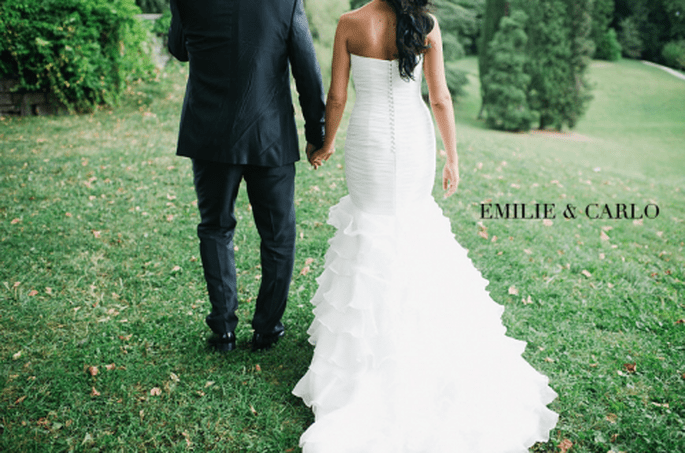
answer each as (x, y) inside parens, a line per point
(316, 157)
(309, 150)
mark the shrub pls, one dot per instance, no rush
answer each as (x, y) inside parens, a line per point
(674, 54)
(630, 39)
(83, 51)
(506, 83)
(153, 6)
(608, 48)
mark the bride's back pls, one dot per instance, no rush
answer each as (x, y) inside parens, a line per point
(374, 31)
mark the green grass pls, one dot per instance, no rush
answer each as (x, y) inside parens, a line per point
(99, 267)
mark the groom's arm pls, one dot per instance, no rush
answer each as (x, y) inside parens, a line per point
(307, 76)
(177, 40)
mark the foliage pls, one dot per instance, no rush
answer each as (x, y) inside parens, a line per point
(558, 51)
(83, 51)
(461, 19)
(602, 15)
(153, 6)
(162, 24)
(506, 84)
(629, 38)
(608, 47)
(494, 10)
(579, 23)
(674, 54)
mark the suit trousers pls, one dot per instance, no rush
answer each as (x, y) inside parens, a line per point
(271, 191)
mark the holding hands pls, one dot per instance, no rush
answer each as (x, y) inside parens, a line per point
(317, 157)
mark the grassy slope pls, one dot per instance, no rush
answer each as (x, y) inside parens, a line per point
(97, 238)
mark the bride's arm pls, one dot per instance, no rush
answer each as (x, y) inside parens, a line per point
(337, 93)
(443, 109)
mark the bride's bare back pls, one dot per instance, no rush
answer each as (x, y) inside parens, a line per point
(371, 31)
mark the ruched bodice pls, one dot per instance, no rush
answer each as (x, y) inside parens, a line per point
(390, 146)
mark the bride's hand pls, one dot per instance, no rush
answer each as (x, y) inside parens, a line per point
(318, 157)
(450, 178)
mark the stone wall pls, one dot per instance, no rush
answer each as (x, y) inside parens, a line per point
(25, 104)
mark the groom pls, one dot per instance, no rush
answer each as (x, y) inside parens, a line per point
(237, 122)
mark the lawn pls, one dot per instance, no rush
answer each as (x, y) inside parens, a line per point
(102, 300)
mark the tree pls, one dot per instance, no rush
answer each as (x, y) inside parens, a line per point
(604, 37)
(629, 38)
(505, 101)
(494, 10)
(559, 49)
(582, 48)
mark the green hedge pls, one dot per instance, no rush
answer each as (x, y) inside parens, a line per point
(85, 52)
(674, 54)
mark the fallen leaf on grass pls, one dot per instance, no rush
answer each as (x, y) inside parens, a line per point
(258, 368)
(94, 392)
(15, 221)
(96, 233)
(586, 273)
(155, 391)
(93, 370)
(482, 230)
(603, 236)
(20, 399)
(527, 301)
(253, 410)
(209, 384)
(32, 293)
(176, 269)
(110, 367)
(305, 270)
(630, 367)
(16, 356)
(565, 445)
(174, 377)
(187, 438)
(611, 418)
(125, 337)
(513, 291)
(547, 222)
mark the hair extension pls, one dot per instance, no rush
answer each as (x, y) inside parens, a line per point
(413, 25)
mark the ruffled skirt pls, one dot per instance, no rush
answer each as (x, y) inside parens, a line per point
(410, 351)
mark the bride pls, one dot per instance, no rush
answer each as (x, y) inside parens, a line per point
(410, 352)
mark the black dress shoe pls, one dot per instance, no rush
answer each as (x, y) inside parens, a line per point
(264, 341)
(222, 342)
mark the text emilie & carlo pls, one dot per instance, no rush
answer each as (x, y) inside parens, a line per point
(534, 211)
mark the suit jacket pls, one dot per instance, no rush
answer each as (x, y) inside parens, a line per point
(238, 107)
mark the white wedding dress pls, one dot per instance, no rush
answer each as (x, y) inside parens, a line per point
(411, 354)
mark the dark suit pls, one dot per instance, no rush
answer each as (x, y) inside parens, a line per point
(238, 123)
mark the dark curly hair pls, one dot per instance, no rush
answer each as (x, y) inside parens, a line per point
(413, 25)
